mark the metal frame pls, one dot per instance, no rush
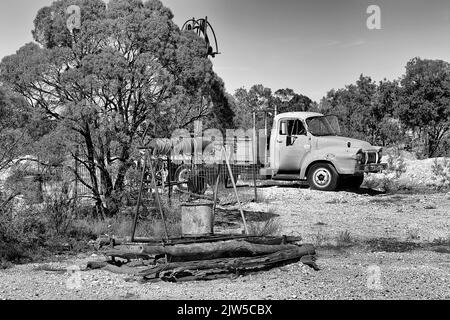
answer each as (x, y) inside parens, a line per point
(201, 27)
(157, 198)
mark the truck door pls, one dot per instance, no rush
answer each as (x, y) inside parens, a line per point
(292, 143)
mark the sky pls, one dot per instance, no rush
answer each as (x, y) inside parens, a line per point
(311, 46)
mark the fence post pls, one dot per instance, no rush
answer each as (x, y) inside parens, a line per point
(255, 156)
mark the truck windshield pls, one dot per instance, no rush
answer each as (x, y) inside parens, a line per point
(324, 126)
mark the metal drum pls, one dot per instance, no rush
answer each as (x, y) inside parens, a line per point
(197, 219)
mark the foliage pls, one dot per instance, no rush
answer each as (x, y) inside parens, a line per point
(59, 212)
(396, 165)
(265, 103)
(366, 110)
(128, 75)
(441, 171)
(444, 147)
(21, 232)
(424, 104)
(417, 107)
(287, 100)
(14, 136)
(388, 180)
(258, 99)
(222, 114)
(320, 239)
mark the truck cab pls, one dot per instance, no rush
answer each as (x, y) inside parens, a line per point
(309, 146)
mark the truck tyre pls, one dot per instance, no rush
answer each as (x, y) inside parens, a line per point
(182, 174)
(323, 177)
(197, 183)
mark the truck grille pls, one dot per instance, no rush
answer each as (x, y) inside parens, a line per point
(370, 158)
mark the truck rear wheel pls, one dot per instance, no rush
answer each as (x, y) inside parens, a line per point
(182, 176)
(323, 177)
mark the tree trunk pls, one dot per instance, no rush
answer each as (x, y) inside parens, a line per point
(90, 153)
(213, 250)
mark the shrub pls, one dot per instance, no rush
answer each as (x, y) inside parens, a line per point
(26, 182)
(441, 171)
(21, 233)
(344, 239)
(320, 239)
(388, 181)
(149, 224)
(271, 227)
(396, 165)
(59, 212)
(28, 231)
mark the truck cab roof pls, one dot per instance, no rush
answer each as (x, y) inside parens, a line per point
(297, 115)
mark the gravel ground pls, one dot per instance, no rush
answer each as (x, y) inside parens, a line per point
(321, 218)
(346, 272)
(313, 214)
(344, 275)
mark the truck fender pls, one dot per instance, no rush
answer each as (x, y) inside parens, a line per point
(329, 155)
(305, 169)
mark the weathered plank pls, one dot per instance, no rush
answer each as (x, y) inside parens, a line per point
(112, 241)
(207, 269)
(214, 250)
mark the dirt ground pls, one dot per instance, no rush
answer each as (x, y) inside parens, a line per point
(370, 246)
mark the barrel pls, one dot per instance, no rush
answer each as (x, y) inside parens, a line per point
(197, 219)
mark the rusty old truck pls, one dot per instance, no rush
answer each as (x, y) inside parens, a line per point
(301, 146)
(309, 147)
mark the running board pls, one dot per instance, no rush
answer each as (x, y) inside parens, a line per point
(287, 177)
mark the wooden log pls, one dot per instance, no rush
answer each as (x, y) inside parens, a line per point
(207, 270)
(127, 255)
(215, 250)
(93, 265)
(274, 240)
(202, 239)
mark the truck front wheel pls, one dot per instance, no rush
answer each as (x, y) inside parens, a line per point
(323, 177)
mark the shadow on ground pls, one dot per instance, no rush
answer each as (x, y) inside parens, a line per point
(391, 245)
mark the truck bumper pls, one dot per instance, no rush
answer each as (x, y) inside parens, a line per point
(371, 168)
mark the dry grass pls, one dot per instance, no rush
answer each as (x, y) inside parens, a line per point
(442, 241)
(344, 239)
(271, 227)
(340, 241)
(413, 234)
(320, 239)
(121, 226)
